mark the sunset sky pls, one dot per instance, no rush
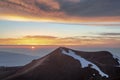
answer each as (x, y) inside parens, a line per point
(60, 22)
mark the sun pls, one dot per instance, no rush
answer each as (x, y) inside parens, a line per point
(33, 47)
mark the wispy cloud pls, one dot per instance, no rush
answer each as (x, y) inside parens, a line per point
(61, 10)
(111, 34)
(40, 37)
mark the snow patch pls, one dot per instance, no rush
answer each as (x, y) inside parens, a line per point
(116, 57)
(83, 61)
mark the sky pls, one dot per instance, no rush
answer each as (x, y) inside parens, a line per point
(60, 22)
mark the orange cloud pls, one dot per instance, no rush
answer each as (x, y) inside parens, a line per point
(51, 40)
(60, 10)
(40, 37)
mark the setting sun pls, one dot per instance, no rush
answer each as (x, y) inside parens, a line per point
(33, 47)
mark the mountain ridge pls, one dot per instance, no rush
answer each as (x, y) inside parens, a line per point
(60, 65)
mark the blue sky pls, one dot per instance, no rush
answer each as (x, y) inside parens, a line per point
(10, 29)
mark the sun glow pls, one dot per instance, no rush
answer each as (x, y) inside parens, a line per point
(24, 18)
(33, 47)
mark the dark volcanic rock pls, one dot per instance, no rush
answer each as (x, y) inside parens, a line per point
(58, 66)
(7, 71)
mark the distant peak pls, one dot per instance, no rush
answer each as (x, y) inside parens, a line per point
(64, 48)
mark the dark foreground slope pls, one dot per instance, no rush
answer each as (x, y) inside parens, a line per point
(67, 64)
(7, 71)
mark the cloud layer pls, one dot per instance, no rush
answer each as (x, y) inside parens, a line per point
(61, 10)
(104, 41)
